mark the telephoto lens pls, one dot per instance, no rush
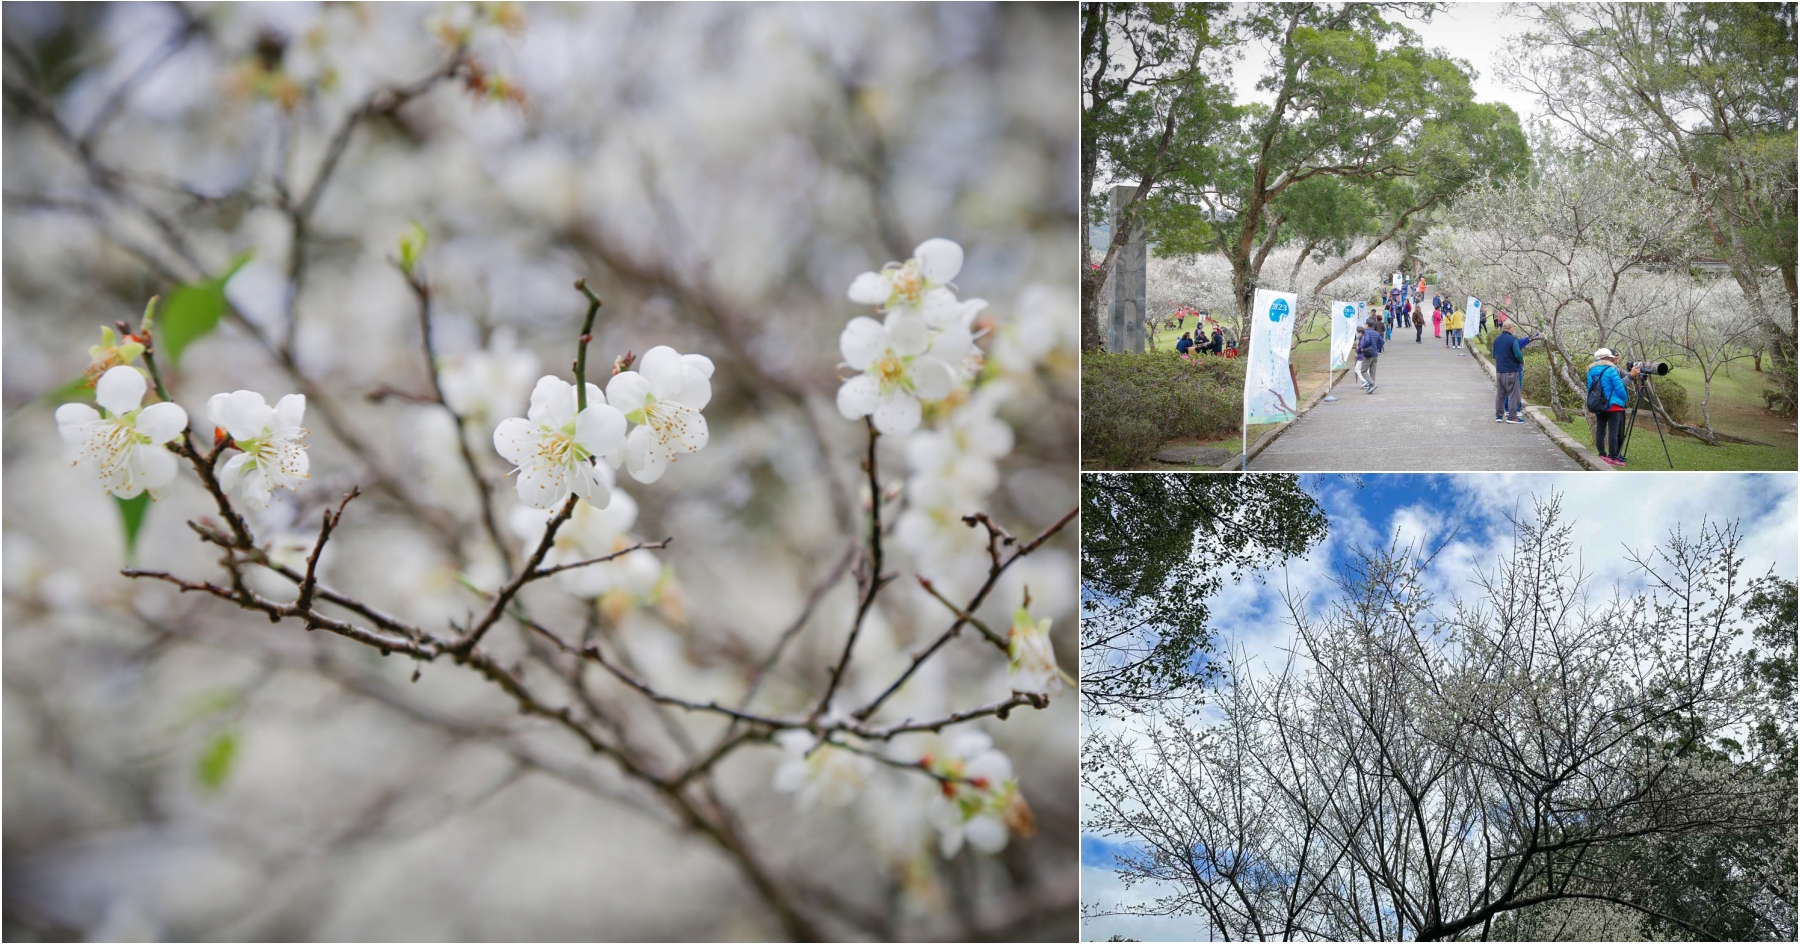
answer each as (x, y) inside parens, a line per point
(1658, 368)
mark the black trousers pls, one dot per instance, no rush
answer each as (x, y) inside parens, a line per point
(1609, 430)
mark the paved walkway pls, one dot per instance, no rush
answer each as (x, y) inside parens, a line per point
(1433, 411)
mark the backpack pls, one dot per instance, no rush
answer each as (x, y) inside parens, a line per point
(1597, 401)
(1367, 345)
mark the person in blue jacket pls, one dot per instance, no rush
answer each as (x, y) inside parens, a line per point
(1509, 374)
(1368, 350)
(1186, 343)
(1608, 391)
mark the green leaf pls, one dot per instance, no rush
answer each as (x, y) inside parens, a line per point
(215, 761)
(131, 512)
(77, 389)
(193, 310)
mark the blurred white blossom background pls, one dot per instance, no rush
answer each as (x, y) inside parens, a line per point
(177, 767)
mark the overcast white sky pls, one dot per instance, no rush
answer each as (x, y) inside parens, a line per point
(1474, 32)
(1609, 513)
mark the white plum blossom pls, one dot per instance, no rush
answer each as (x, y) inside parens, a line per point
(554, 447)
(274, 456)
(819, 774)
(1031, 665)
(120, 445)
(593, 532)
(1044, 322)
(980, 802)
(899, 370)
(664, 397)
(953, 466)
(484, 385)
(921, 285)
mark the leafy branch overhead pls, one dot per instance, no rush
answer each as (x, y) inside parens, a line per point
(1155, 553)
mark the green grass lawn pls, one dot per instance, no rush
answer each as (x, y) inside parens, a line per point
(1737, 409)
(1645, 453)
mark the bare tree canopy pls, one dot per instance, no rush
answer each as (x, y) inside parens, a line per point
(1541, 759)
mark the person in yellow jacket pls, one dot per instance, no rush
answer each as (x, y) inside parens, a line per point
(1453, 329)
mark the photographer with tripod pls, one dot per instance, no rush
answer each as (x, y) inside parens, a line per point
(1607, 396)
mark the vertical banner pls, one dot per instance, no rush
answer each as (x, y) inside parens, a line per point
(1343, 332)
(1396, 278)
(1268, 388)
(1472, 317)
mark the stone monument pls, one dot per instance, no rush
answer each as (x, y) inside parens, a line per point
(1125, 314)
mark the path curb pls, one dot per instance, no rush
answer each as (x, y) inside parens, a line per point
(1587, 458)
(1262, 442)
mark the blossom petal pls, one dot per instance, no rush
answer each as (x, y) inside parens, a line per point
(543, 487)
(871, 288)
(645, 458)
(862, 341)
(587, 481)
(162, 422)
(932, 379)
(243, 413)
(628, 391)
(986, 833)
(661, 366)
(991, 766)
(156, 465)
(859, 396)
(515, 439)
(71, 418)
(939, 259)
(897, 414)
(120, 390)
(233, 472)
(907, 334)
(552, 401)
(952, 345)
(698, 362)
(290, 411)
(600, 428)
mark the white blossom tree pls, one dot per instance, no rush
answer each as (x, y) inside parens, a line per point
(727, 608)
(1432, 769)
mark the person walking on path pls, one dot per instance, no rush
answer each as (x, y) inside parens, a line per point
(1437, 318)
(1369, 345)
(1388, 323)
(1453, 329)
(1606, 398)
(1509, 375)
(1419, 326)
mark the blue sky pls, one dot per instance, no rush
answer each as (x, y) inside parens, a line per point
(1609, 513)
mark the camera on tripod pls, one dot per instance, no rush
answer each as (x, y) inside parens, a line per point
(1645, 370)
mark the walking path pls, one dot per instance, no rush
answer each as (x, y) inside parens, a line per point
(1433, 411)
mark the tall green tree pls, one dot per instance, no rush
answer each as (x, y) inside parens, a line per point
(1151, 101)
(1361, 112)
(1701, 98)
(1155, 551)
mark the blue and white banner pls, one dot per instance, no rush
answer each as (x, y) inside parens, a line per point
(1472, 315)
(1268, 388)
(1345, 317)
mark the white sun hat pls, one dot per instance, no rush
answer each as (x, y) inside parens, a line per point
(1605, 354)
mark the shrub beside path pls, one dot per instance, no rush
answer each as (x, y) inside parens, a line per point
(1433, 411)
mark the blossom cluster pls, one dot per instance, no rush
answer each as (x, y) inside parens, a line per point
(123, 444)
(922, 377)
